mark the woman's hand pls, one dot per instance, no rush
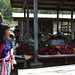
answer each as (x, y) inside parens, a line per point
(13, 61)
(12, 57)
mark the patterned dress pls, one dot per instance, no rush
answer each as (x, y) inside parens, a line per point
(6, 52)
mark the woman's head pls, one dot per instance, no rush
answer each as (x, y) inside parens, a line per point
(4, 32)
(4, 29)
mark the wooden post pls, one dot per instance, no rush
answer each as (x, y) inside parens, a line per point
(35, 30)
(20, 26)
(27, 21)
(53, 26)
(36, 64)
(24, 24)
(68, 26)
(71, 18)
(41, 26)
(57, 19)
(71, 21)
(62, 22)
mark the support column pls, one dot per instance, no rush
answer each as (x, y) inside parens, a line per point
(68, 26)
(24, 25)
(27, 20)
(19, 25)
(36, 30)
(72, 22)
(36, 64)
(71, 18)
(57, 20)
(62, 22)
(53, 26)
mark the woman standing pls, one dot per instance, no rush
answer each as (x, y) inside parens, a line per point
(6, 49)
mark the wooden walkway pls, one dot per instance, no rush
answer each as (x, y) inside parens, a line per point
(56, 70)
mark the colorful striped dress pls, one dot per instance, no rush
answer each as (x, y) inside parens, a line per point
(6, 52)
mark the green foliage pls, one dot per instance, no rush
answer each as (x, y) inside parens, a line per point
(17, 10)
(6, 11)
(10, 22)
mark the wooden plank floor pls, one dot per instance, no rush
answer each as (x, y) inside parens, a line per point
(56, 70)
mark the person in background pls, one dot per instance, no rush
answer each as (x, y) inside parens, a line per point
(6, 50)
(11, 36)
(59, 31)
(16, 32)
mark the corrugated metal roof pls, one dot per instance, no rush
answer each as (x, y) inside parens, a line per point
(46, 4)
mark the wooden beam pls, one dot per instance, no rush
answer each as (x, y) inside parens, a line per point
(49, 5)
(44, 3)
(53, 2)
(17, 7)
(62, 3)
(24, 4)
(50, 8)
(16, 2)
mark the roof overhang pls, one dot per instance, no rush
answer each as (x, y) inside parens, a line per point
(67, 5)
(65, 17)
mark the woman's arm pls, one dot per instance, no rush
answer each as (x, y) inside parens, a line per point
(11, 54)
(11, 50)
(12, 57)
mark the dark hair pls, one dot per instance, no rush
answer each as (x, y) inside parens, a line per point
(3, 37)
